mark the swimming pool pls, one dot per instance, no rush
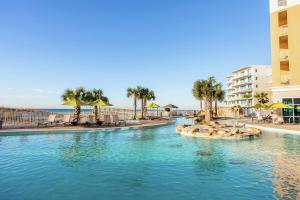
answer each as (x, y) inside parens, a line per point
(147, 163)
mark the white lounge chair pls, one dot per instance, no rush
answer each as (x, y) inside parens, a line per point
(117, 121)
(279, 120)
(66, 120)
(51, 121)
(85, 120)
(107, 120)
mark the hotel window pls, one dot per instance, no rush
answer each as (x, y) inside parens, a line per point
(256, 86)
(282, 18)
(291, 115)
(256, 78)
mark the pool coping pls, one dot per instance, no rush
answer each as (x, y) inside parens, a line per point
(277, 130)
(52, 129)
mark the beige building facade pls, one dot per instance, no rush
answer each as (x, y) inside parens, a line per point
(285, 45)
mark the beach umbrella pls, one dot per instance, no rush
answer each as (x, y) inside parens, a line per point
(101, 103)
(153, 105)
(75, 102)
(281, 105)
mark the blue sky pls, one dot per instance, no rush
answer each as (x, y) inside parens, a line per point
(48, 46)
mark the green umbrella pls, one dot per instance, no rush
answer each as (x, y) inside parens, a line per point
(75, 102)
(100, 102)
(153, 105)
(281, 105)
(298, 107)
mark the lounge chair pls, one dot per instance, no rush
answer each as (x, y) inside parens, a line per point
(260, 119)
(279, 120)
(117, 121)
(51, 121)
(66, 120)
(107, 120)
(85, 120)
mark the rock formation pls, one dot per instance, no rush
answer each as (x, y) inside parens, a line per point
(217, 131)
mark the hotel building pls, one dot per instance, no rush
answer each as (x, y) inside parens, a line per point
(285, 44)
(244, 83)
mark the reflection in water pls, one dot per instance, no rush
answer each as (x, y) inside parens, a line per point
(23, 138)
(286, 171)
(208, 159)
(287, 176)
(79, 151)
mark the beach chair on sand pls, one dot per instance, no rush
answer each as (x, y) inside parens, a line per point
(50, 121)
(117, 121)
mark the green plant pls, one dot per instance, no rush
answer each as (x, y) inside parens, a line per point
(76, 94)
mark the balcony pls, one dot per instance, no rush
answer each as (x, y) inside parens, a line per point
(284, 55)
(247, 90)
(283, 30)
(242, 76)
(282, 3)
(242, 83)
(285, 79)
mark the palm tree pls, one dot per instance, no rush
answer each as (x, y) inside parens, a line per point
(142, 95)
(135, 93)
(205, 90)
(219, 96)
(148, 96)
(94, 95)
(76, 94)
(262, 97)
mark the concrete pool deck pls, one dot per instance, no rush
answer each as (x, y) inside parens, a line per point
(278, 128)
(143, 124)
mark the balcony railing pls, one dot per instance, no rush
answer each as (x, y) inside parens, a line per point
(283, 30)
(285, 79)
(284, 55)
(242, 83)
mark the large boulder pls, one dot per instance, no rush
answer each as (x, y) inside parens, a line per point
(180, 128)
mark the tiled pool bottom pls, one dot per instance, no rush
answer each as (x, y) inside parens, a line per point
(149, 163)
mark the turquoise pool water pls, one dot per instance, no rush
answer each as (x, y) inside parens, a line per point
(149, 163)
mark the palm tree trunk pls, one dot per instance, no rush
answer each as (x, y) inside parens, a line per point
(142, 108)
(96, 113)
(77, 113)
(207, 111)
(216, 108)
(135, 101)
(145, 109)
